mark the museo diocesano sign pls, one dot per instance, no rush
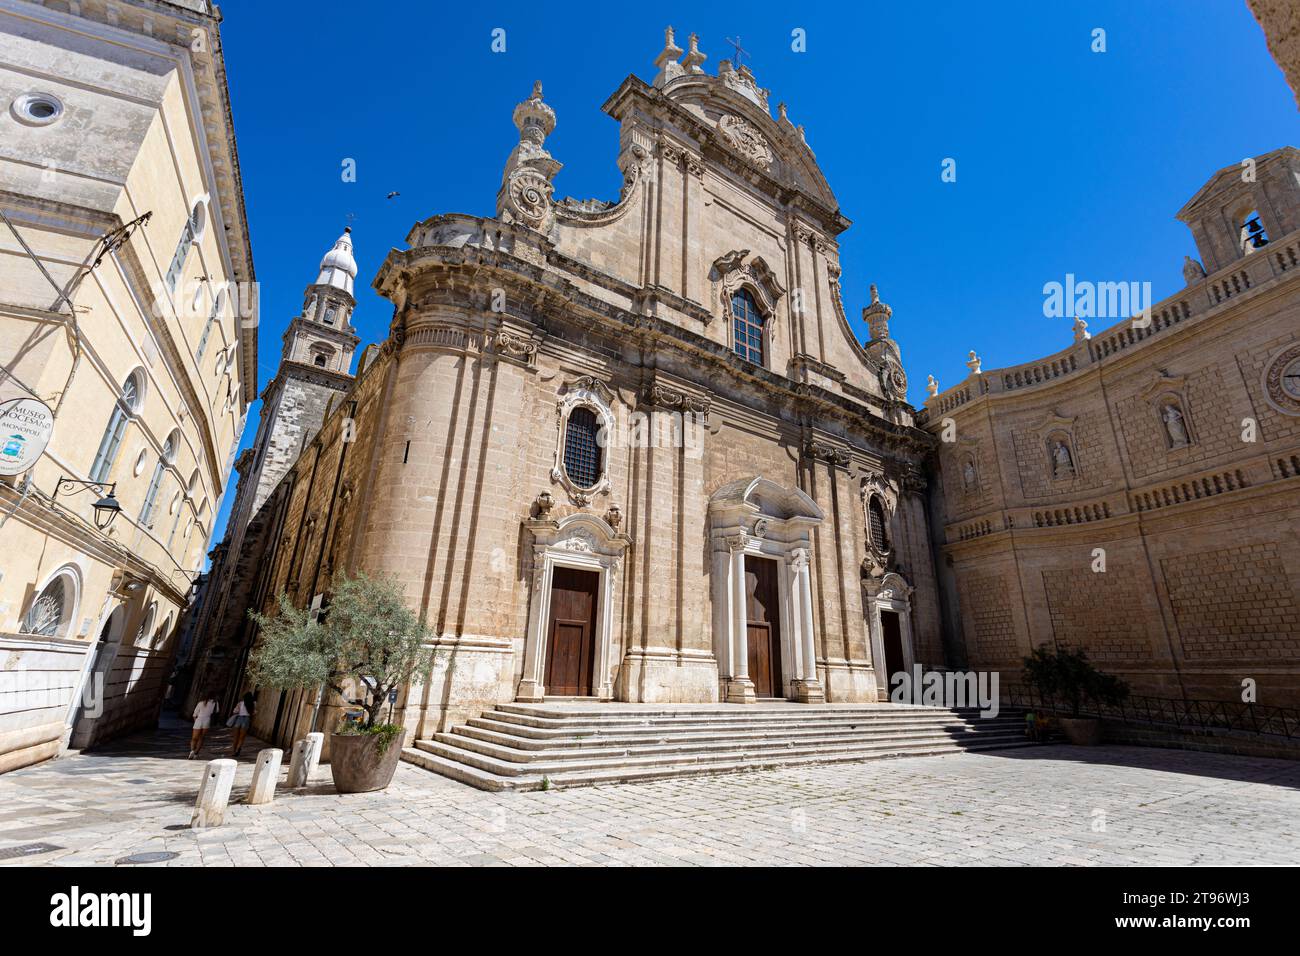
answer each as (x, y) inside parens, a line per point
(26, 425)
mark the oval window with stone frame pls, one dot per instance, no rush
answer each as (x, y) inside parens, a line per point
(583, 456)
(877, 526)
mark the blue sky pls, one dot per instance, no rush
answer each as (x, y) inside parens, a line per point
(1068, 161)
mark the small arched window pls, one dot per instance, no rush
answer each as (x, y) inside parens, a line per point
(877, 527)
(582, 452)
(127, 404)
(218, 304)
(746, 327)
(320, 360)
(151, 496)
(190, 233)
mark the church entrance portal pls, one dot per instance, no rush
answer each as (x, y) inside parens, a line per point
(572, 643)
(763, 620)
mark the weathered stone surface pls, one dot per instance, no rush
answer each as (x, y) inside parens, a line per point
(266, 774)
(306, 755)
(214, 794)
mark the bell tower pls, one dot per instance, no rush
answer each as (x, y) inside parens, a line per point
(322, 335)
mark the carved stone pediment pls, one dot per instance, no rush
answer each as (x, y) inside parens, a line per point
(731, 272)
(745, 139)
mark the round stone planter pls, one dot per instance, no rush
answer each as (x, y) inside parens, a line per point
(357, 765)
(1081, 731)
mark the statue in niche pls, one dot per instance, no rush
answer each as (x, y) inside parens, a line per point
(968, 476)
(1175, 427)
(1062, 460)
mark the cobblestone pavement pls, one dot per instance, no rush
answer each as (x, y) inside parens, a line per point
(1040, 805)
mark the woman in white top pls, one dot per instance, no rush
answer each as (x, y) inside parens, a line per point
(204, 711)
(240, 721)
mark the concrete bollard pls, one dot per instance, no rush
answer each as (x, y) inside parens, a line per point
(306, 755)
(266, 774)
(214, 794)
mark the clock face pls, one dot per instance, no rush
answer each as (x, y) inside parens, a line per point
(1291, 379)
(1282, 380)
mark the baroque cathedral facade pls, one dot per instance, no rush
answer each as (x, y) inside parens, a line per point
(627, 450)
(634, 451)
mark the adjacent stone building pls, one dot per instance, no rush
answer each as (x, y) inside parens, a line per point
(128, 323)
(1138, 493)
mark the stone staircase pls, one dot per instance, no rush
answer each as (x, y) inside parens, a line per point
(551, 745)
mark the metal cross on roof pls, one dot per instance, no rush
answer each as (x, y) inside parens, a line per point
(740, 51)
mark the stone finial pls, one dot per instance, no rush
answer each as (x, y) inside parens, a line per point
(931, 386)
(1081, 333)
(877, 315)
(694, 58)
(525, 194)
(781, 114)
(1193, 271)
(669, 68)
(973, 363)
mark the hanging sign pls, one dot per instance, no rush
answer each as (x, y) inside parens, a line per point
(26, 425)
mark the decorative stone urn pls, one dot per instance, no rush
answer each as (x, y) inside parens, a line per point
(359, 766)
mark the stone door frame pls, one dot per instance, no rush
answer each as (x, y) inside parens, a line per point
(894, 594)
(587, 543)
(758, 517)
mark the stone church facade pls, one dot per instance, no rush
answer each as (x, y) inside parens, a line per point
(634, 451)
(629, 450)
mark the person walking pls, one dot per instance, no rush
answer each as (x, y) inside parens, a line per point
(240, 721)
(204, 711)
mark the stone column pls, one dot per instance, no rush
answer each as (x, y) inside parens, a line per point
(808, 689)
(740, 689)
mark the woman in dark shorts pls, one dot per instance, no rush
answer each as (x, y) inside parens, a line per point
(240, 722)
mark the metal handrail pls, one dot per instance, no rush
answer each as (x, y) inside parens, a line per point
(1203, 714)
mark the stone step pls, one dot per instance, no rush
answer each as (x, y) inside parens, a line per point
(487, 780)
(746, 717)
(504, 748)
(529, 738)
(556, 764)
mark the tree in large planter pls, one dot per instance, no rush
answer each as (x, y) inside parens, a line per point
(1067, 675)
(369, 640)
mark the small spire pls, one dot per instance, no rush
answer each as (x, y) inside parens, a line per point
(877, 315)
(669, 68)
(694, 58)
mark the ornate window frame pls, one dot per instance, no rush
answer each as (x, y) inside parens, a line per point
(879, 553)
(593, 394)
(731, 273)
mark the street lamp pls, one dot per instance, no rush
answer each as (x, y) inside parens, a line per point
(106, 508)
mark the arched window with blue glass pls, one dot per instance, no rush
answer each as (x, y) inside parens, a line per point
(747, 327)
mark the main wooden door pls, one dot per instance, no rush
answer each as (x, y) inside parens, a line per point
(891, 635)
(571, 646)
(763, 619)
